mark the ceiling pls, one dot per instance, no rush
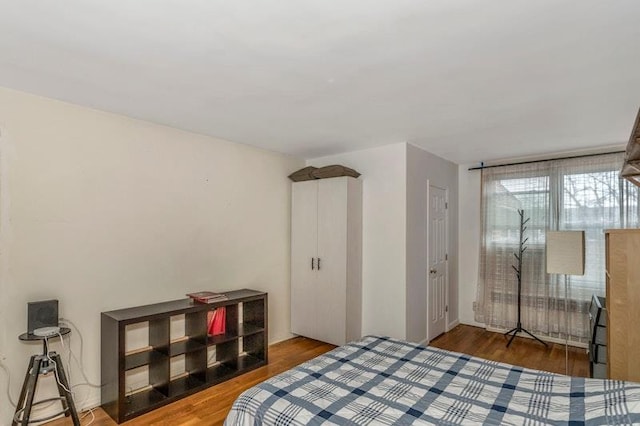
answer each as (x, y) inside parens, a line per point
(466, 80)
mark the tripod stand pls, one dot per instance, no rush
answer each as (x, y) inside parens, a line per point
(518, 328)
(39, 365)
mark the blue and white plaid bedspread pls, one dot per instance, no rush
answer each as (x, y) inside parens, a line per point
(390, 382)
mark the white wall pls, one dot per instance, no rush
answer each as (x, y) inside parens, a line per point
(468, 241)
(105, 212)
(424, 169)
(383, 177)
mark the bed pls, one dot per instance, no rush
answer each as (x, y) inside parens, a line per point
(380, 380)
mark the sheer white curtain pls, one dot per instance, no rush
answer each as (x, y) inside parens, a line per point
(573, 194)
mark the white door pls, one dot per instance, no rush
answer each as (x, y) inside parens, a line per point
(304, 249)
(437, 287)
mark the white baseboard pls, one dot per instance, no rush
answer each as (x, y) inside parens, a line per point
(453, 324)
(450, 327)
(473, 323)
(282, 339)
(90, 404)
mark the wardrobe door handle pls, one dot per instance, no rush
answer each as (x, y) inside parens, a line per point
(313, 264)
(318, 264)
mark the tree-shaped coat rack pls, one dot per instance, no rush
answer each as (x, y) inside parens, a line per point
(523, 241)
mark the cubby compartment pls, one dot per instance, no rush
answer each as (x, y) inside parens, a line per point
(211, 356)
(142, 401)
(231, 320)
(155, 354)
(146, 385)
(136, 337)
(227, 352)
(254, 345)
(136, 379)
(177, 367)
(253, 314)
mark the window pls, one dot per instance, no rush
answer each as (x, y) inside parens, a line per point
(573, 194)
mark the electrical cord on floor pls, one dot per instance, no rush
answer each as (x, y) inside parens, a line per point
(93, 416)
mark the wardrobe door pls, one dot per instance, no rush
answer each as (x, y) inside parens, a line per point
(304, 235)
(332, 255)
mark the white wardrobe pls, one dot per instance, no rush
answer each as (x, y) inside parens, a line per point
(326, 259)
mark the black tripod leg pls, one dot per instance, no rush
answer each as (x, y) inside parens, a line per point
(23, 392)
(534, 337)
(514, 331)
(65, 390)
(511, 331)
(31, 390)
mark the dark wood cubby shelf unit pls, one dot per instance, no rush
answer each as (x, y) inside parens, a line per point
(242, 348)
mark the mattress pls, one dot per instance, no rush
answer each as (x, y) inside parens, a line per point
(379, 380)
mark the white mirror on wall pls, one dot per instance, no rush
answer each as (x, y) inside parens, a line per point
(565, 256)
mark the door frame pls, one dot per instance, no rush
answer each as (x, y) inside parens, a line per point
(428, 246)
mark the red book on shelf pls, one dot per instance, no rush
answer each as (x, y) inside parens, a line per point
(210, 316)
(217, 321)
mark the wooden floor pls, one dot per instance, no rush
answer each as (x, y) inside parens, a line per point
(522, 351)
(211, 406)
